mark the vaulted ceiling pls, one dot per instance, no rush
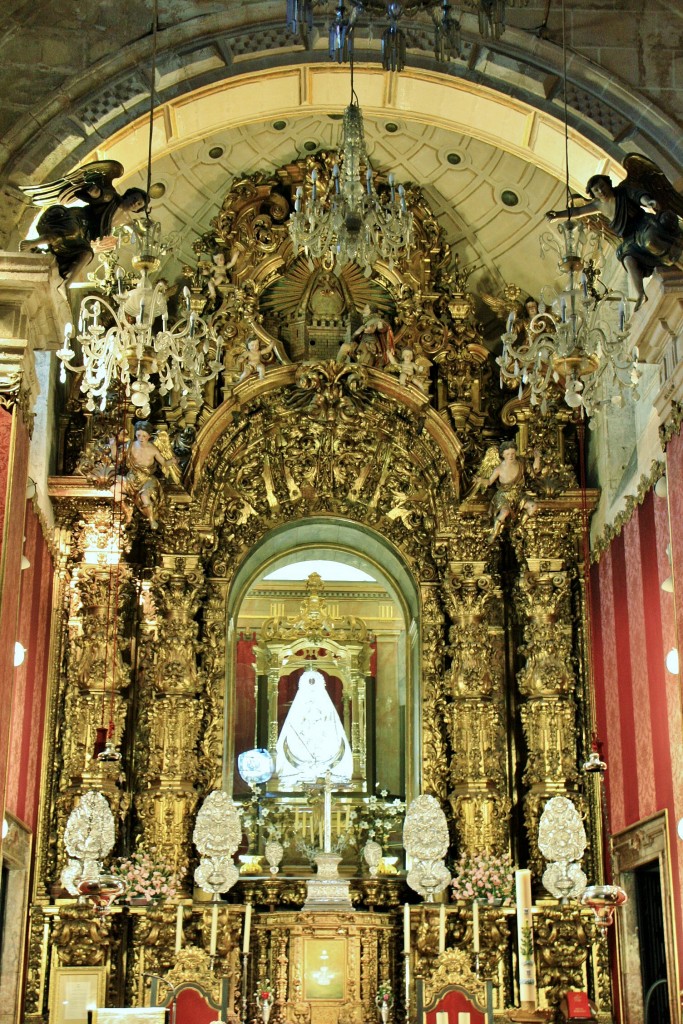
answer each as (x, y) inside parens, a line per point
(237, 92)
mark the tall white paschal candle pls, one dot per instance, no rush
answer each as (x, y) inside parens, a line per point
(327, 819)
(246, 935)
(179, 928)
(525, 940)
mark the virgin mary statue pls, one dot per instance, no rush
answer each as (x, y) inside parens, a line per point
(312, 740)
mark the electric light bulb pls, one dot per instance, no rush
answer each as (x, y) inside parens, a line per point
(672, 661)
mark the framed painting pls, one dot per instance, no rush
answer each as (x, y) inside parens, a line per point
(74, 991)
(324, 969)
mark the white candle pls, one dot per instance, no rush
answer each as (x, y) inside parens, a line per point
(214, 930)
(442, 928)
(327, 843)
(441, 1017)
(475, 926)
(406, 928)
(247, 928)
(179, 928)
(525, 940)
(464, 1018)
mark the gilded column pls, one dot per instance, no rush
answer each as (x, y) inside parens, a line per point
(547, 683)
(477, 732)
(434, 709)
(97, 673)
(213, 655)
(167, 750)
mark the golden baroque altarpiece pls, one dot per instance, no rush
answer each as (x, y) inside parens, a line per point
(501, 695)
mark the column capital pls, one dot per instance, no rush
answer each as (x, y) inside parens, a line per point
(32, 317)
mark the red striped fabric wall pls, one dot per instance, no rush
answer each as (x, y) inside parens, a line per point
(14, 446)
(638, 701)
(30, 679)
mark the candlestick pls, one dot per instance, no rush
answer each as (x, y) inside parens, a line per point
(406, 928)
(406, 961)
(247, 928)
(214, 930)
(245, 985)
(442, 928)
(179, 928)
(475, 926)
(525, 940)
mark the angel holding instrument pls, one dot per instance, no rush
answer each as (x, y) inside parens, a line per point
(510, 473)
(82, 211)
(640, 212)
(141, 458)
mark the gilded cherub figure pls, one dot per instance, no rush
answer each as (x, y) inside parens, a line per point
(510, 473)
(251, 359)
(411, 370)
(641, 213)
(217, 275)
(73, 233)
(139, 482)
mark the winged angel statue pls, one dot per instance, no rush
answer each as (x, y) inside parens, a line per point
(640, 215)
(82, 211)
(511, 474)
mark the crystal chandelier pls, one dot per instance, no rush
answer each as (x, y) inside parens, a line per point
(490, 14)
(345, 218)
(126, 337)
(123, 345)
(570, 341)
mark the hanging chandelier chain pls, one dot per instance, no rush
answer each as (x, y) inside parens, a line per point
(152, 98)
(570, 201)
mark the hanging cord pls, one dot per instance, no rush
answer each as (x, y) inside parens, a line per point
(117, 522)
(568, 192)
(588, 619)
(155, 15)
(353, 91)
(113, 584)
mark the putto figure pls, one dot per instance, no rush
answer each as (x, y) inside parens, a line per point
(642, 214)
(511, 474)
(251, 359)
(141, 458)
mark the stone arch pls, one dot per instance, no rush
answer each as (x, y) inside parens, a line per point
(329, 444)
(355, 545)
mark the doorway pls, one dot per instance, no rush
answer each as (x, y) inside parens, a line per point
(648, 973)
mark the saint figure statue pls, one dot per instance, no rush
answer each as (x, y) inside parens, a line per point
(312, 740)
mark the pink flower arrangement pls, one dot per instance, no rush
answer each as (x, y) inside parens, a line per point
(144, 877)
(487, 877)
(384, 995)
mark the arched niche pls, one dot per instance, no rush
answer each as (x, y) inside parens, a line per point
(353, 545)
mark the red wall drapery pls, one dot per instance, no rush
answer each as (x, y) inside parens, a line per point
(30, 679)
(638, 701)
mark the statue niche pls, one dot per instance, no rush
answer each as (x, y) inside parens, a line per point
(314, 310)
(312, 674)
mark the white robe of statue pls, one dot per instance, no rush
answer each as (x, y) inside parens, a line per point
(312, 740)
